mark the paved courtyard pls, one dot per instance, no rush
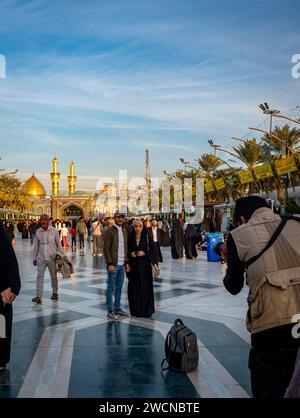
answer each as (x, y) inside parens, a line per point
(68, 348)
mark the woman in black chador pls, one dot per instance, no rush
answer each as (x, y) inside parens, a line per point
(9, 288)
(141, 252)
(190, 242)
(177, 240)
(165, 237)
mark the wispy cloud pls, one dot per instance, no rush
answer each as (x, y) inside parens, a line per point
(89, 79)
(160, 145)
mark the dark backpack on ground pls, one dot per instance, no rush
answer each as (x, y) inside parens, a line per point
(181, 349)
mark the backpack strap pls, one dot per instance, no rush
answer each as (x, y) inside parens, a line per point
(272, 239)
(163, 369)
(166, 350)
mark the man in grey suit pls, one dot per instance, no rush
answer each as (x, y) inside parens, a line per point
(46, 244)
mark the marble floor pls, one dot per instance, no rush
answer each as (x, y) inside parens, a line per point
(68, 348)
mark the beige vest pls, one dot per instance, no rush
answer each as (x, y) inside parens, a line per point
(274, 279)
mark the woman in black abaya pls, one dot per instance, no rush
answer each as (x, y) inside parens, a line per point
(9, 287)
(165, 237)
(177, 240)
(141, 252)
(190, 242)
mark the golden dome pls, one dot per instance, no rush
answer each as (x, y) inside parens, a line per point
(34, 188)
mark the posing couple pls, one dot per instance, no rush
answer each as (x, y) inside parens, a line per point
(132, 254)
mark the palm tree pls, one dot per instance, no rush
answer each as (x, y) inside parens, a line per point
(286, 135)
(251, 153)
(289, 141)
(11, 194)
(209, 163)
(208, 166)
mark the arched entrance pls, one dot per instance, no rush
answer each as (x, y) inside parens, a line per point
(72, 211)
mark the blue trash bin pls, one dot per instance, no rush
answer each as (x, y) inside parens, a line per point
(212, 240)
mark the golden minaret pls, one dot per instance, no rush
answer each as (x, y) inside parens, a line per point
(55, 177)
(72, 178)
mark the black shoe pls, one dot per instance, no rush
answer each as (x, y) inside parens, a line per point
(54, 296)
(120, 312)
(37, 300)
(112, 315)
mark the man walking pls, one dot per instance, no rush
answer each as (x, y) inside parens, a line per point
(157, 238)
(268, 249)
(115, 253)
(81, 229)
(34, 226)
(46, 245)
(97, 230)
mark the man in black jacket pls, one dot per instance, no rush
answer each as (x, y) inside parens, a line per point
(10, 285)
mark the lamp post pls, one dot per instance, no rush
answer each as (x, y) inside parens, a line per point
(185, 163)
(224, 162)
(288, 118)
(228, 152)
(267, 111)
(213, 145)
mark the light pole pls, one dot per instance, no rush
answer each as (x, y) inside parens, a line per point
(288, 118)
(186, 163)
(213, 145)
(267, 111)
(228, 152)
(224, 162)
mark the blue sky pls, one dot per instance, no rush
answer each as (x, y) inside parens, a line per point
(99, 81)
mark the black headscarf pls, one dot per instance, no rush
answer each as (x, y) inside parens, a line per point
(9, 269)
(146, 244)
